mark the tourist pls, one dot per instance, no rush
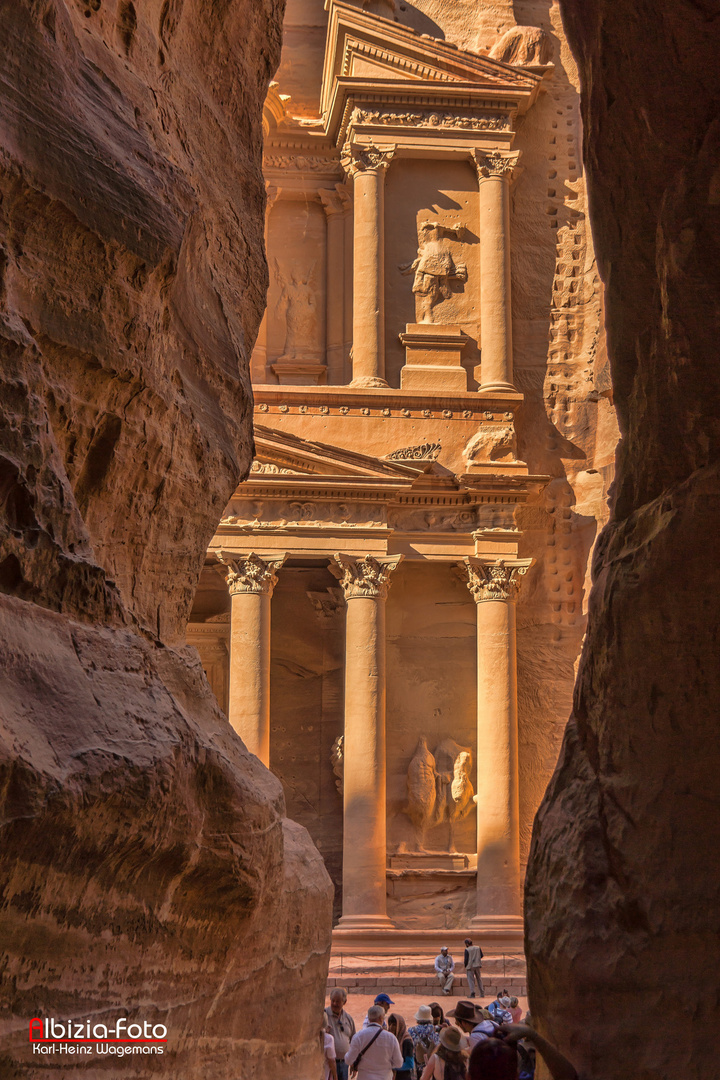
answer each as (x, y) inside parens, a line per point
(448, 1062)
(384, 1002)
(515, 1010)
(397, 1026)
(342, 1029)
(499, 1009)
(472, 962)
(439, 1020)
(473, 1021)
(327, 1045)
(424, 1036)
(497, 1059)
(374, 1051)
(444, 968)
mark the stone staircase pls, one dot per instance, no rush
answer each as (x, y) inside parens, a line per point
(414, 975)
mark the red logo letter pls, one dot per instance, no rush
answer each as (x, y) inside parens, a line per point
(37, 1023)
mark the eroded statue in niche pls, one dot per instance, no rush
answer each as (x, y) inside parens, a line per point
(298, 305)
(434, 268)
(337, 760)
(439, 788)
(422, 791)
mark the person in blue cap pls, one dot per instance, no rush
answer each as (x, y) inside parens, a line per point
(384, 1002)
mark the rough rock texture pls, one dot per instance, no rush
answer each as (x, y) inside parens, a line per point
(145, 860)
(622, 916)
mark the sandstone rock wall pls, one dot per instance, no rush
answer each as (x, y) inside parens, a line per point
(146, 865)
(622, 915)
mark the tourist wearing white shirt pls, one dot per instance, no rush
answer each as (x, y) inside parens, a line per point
(379, 1048)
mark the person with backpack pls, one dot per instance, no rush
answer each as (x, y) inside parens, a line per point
(472, 963)
(424, 1036)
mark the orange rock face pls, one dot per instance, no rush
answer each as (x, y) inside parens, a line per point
(622, 916)
(146, 865)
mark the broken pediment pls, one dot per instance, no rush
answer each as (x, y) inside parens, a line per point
(282, 453)
(365, 48)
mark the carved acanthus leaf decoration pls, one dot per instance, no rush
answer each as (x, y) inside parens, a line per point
(357, 158)
(495, 162)
(499, 580)
(365, 576)
(424, 452)
(250, 573)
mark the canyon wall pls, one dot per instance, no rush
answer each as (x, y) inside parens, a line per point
(621, 898)
(147, 869)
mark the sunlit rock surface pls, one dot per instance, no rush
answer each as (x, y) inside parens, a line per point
(622, 914)
(146, 865)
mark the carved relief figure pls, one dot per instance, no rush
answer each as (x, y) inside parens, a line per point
(491, 443)
(439, 788)
(422, 791)
(434, 268)
(298, 304)
(456, 794)
(523, 45)
(337, 760)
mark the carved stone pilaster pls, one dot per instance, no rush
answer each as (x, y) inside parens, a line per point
(366, 576)
(495, 162)
(250, 573)
(356, 158)
(499, 580)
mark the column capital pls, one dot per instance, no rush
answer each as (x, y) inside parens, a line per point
(364, 576)
(335, 200)
(250, 573)
(357, 158)
(495, 163)
(494, 580)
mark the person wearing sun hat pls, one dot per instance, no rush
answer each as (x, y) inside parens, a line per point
(474, 1021)
(423, 1035)
(448, 1062)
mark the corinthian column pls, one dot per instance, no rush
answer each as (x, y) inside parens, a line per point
(496, 354)
(251, 581)
(367, 167)
(494, 586)
(365, 582)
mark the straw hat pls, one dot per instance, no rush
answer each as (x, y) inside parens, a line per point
(451, 1038)
(424, 1015)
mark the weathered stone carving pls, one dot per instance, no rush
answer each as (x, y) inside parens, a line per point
(456, 794)
(301, 162)
(366, 576)
(435, 268)
(337, 760)
(250, 573)
(439, 788)
(298, 304)
(422, 791)
(328, 604)
(495, 580)
(267, 467)
(430, 118)
(491, 444)
(495, 162)
(364, 158)
(523, 45)
(424, 452)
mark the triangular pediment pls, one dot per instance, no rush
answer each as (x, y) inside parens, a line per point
(367, 47)
(281, 455)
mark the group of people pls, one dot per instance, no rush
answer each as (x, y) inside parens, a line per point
(472, 962)
(479, 1043)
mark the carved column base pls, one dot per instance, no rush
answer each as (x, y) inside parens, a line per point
(295, 371)
(365, 922)
(500, 924)
(433, 358)
(369, 383)
(497, 388)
